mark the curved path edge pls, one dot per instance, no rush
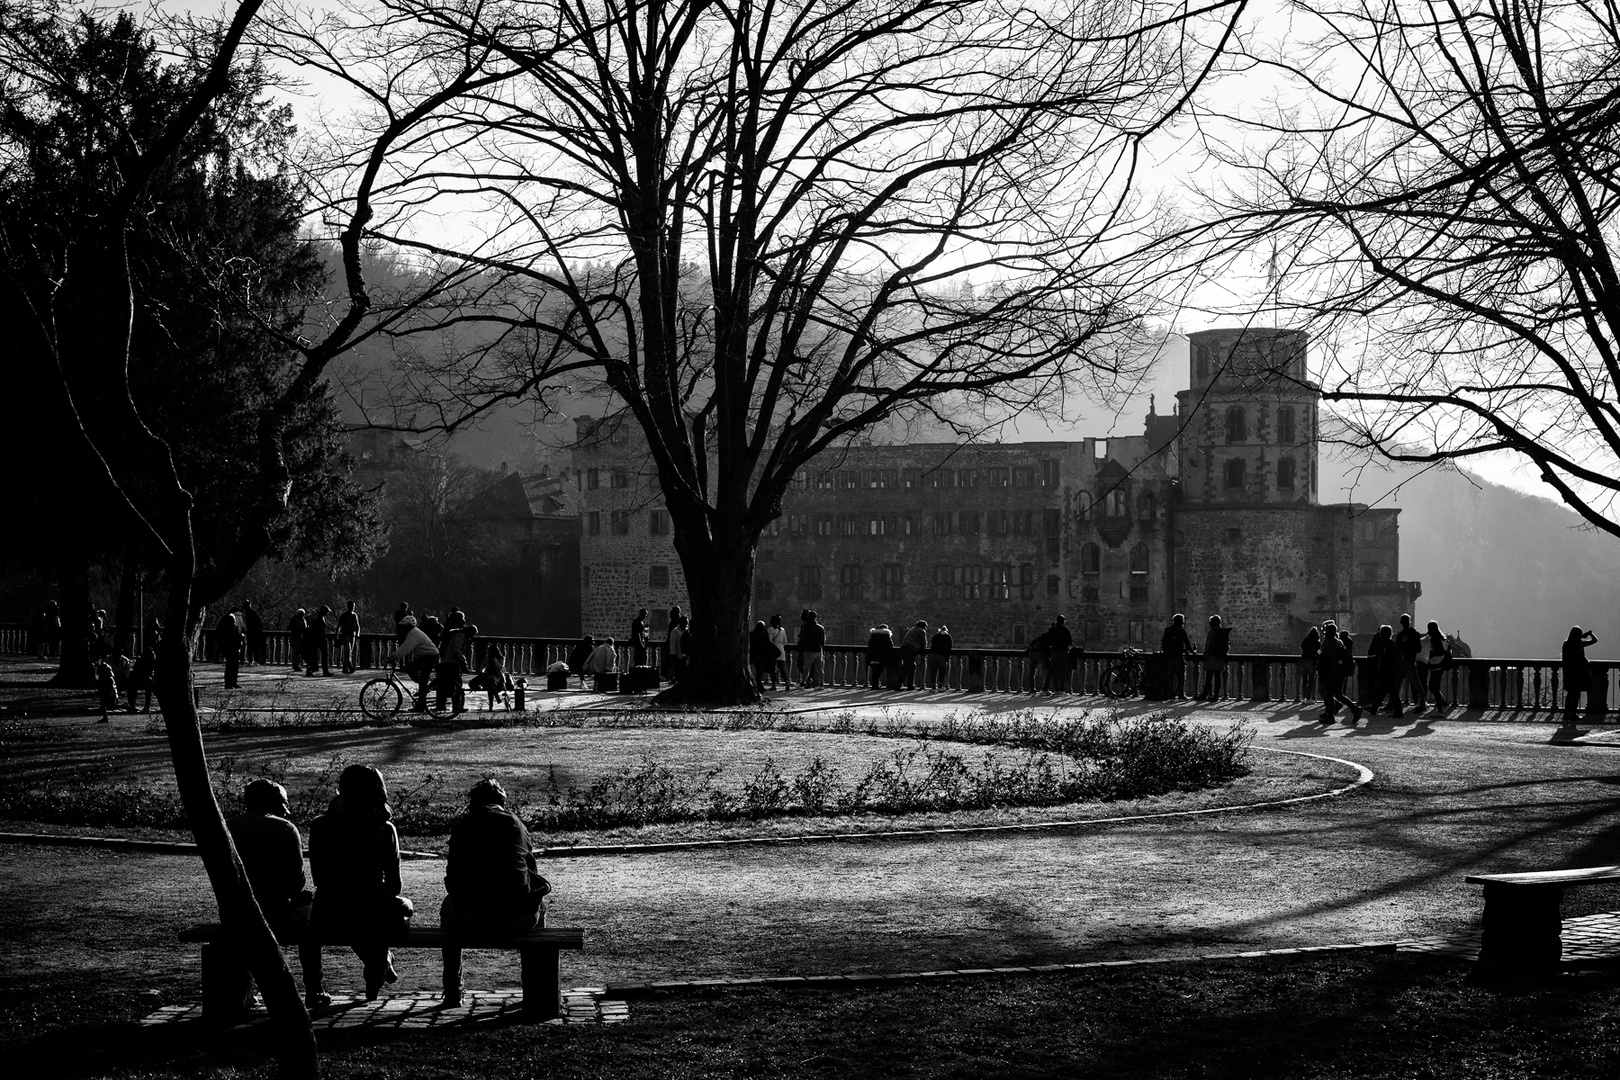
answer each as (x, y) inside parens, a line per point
(1364, 776)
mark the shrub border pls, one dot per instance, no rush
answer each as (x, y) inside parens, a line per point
(1364, 776)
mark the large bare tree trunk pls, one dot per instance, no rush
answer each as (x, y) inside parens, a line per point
(720, 583)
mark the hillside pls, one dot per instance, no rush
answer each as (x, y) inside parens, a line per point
(1511, 572)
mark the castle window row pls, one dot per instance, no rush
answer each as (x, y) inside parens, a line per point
(1237, 425)
(1234, 473)
(1044, 473)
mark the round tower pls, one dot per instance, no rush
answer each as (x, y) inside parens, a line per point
(1250, 427)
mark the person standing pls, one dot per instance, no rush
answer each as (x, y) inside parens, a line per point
(1435, 663)
(812, 642)
(228, 635)
(348, 639)
(578, 655)
(879, 654)
(1409, 643)
(317, 647)
(1386, 672)
(1217, 645)
(1177, 647)
(493, 886)
(912, 645)
(419, 657)
(455, 656)
(297, 626)
(761, 655)
(1577, 672)
(1333, 666)
(354, 859)
(253, 630)
(1310, 653)
(52, 629)
(1040, 663)
(937, 674)
(638, 639)
(1058, 643)
(778, 635)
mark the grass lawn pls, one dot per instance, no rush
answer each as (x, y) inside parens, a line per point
(1348, 1015)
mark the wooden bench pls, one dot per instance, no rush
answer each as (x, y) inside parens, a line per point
(1523, 924)
(538, 948)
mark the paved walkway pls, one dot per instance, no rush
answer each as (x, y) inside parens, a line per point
(422, 1010)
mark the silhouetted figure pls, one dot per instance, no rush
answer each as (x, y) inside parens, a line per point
(1577, 672)
(913, 645)
(579, 654)
(778, 635)
(1436, 663)
(354, 859)
(1058, 643)
(1334, 666)
(494, 887)
(761, 656)
(253, 631)
(296, 627)
(317, 646)
(1177, 646)
(812, 643)
(1310, 652)
(348, 639)
(639, 639)
(1384, 673)
(1217, 644)
(1410, 644)
(937, 674)
(228, 639)
(879, 654)
(272, 853)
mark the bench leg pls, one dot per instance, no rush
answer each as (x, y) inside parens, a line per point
(542, 996)
(226, 985)
(1522, 925)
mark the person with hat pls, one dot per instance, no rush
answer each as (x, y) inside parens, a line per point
(492, 883)
(418, 656)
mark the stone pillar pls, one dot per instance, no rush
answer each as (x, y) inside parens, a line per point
(1597, 705)
(1156, 677)
(1259, 680)
(1479, 675)
(975, 674)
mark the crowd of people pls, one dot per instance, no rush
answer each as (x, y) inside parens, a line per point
(493, 887)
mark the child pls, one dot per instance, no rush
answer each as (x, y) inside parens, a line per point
(493, 679)
(107, 685)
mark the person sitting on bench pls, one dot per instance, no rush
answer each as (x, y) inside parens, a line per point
(354, 859)
(603, 661)
(272, 853)
(418, 656)
(493, 884)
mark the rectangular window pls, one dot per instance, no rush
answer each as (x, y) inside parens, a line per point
(968, 522)
(894, 581)
(1091, 594)
(809, 583)
(1134, 631)
(657, 577)
(1020, 635)
(801, 480)
(998, 582)
(944, 582)
(1026, 581)
(849, 478)
(764, 592)
(971, 581)
(998, 477)
(911, 524)
(621, 479)
(849, 582)
(967, 478)
(1049, 473)
(996, 522)
(798, 523)
(1023, 476)
(824, 524)
(1053, 584)
(911, 478)
(658, 621)
(944, 478)
(1051, 522)
(847, 524)
(942, 522)
(1093, 630)
(1054, 548)
(826, 481)
(1023, 522)
(593, 523)
(620, 523)
(658, 523)
(593, 479)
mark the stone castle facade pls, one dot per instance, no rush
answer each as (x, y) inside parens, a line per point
(1212, 509)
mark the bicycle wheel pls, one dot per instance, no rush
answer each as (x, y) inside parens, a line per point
(1113, 683)
(443, 704)
(381, 700)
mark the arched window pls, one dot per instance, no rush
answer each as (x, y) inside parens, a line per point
(1082, 506)
(1237, 426)
(1139, 560)
(1234, 473)
(1285, 425)
(1145, 506)
(1285, 474)
(1090, 559)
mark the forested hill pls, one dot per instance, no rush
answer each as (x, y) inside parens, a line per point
(1511, 572)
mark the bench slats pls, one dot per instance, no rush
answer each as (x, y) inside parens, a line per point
(1582, 876)
(430, 937)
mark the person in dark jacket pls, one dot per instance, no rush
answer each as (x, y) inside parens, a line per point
(937, 671)
(639, 639)
(348, 639)
(1058, 643)
(1334, 665)
(879, 654)
(1310, 654)
(1577, 672)
(1217, 645)
(253, 631)
(812, 642)
(913, 645)
(761, 655)
(1177, 647)
(317, 646)
(1410, 645)
(579, 655)
(1384, 673)
(272, 853)
(1435, 664)
(228, 640)
(296, 626)
(354, 859)
(494, 887)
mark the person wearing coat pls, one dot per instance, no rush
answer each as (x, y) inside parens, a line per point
(1577, 672)
(879, 654)
(761, 656)
(913, 645)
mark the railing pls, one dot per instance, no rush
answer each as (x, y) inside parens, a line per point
(1475, 683)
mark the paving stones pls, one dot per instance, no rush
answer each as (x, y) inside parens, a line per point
(424, 1011)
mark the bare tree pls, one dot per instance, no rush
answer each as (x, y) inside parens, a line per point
(1436, 197)
(767, 227)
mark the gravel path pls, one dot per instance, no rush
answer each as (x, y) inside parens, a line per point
(1448, 799)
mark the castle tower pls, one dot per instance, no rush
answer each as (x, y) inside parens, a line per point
(1252, 433)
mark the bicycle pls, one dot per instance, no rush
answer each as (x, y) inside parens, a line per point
(383, 698)
(1124, 676)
